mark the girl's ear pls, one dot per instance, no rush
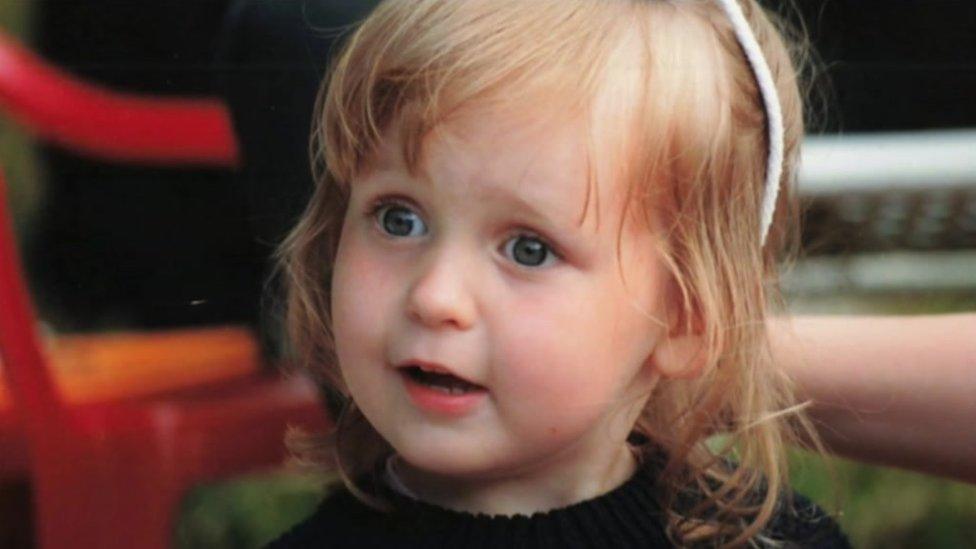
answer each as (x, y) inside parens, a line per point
(679, 355)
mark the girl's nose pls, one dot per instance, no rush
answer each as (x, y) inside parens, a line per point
(439, 296)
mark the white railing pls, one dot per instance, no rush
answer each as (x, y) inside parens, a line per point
(877, 162)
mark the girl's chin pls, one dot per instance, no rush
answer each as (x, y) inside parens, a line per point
(442, 467)
(454, 471)
(457, 469)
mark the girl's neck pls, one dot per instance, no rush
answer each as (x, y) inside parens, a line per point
(559, 486)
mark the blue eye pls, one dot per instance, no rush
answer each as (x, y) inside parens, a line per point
(528, 251)
(398, 220)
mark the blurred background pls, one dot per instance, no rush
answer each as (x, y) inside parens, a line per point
(889, 185)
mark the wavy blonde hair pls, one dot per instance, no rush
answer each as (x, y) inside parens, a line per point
(695, 156)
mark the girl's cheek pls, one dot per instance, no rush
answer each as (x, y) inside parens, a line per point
(552, 356)
(362, 286)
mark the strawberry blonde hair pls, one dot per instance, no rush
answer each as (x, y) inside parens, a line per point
(692, 146)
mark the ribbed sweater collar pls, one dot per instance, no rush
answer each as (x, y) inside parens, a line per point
(627, 516)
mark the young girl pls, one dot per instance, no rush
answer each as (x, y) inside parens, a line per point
(536, 272)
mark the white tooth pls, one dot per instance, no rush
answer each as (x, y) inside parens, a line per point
(448, 390)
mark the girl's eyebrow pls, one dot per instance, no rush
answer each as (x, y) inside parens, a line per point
(380, 173)
(516, 203)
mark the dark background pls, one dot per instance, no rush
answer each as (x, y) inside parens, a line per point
(897, 64)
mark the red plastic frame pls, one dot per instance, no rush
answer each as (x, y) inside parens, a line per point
(90, 120)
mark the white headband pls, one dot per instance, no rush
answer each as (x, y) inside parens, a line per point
(774, 115)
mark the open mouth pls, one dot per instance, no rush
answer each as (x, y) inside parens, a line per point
(445, 383)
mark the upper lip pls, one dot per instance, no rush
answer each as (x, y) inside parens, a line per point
(435, 367)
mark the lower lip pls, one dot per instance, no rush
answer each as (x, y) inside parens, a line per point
(440, 403)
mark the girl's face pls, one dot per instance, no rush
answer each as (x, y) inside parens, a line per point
(491, 268)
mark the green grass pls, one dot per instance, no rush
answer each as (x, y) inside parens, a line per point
(882, 507)
(247, 512)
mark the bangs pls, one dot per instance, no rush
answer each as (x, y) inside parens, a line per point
(415, 64)
(644, 76)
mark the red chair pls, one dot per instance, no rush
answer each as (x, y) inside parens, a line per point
(110, 474)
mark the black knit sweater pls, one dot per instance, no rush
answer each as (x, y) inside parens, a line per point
(627, 516)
